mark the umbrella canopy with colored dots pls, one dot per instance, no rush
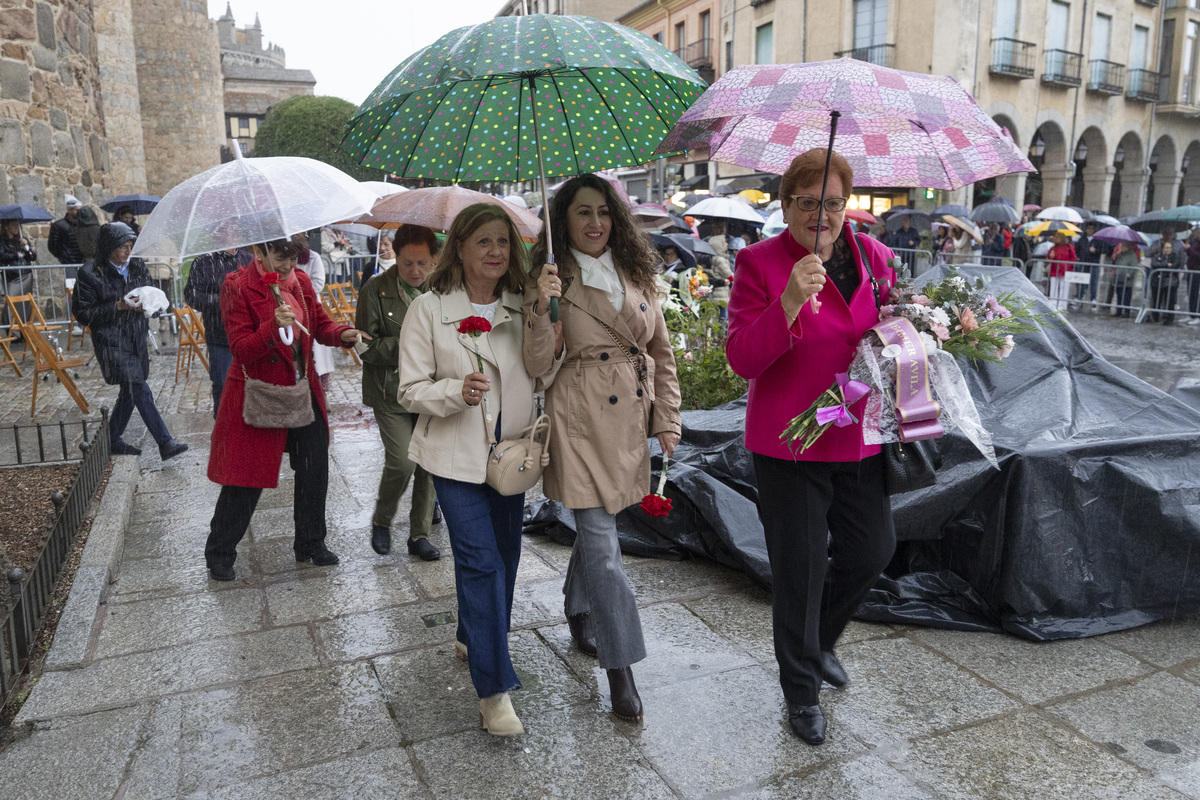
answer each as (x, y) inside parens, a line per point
(488, 101)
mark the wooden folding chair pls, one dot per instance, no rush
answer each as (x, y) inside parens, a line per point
(343, 300)
(191, 336)
(47, 360)
(71, 329)
(35, 321)
(8, 360)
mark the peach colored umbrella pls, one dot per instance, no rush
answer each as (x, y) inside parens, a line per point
(437, 206)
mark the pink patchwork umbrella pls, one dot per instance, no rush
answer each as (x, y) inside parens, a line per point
(896, 128)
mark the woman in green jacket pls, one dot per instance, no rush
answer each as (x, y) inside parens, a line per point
(382, 303)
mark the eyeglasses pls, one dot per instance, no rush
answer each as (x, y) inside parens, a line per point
(832, 204)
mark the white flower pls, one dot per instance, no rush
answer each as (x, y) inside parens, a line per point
(959, 282)
(938, 316)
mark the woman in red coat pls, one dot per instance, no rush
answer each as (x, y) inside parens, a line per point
(1062, 259)
(244, 459)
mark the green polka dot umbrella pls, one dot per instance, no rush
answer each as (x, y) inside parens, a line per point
(476, 104)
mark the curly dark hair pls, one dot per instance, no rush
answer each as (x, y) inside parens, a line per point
(633, 254)
(447, 274)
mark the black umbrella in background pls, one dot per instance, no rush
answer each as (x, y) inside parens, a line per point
(919, 219)
(995, 211)
(662, 242)
(693, 244)
(953, 209)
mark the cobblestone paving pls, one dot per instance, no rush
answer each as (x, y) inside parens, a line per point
(341, 682)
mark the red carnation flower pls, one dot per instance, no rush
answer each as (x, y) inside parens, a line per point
(656, 505)
(474, 326)
(271, 278)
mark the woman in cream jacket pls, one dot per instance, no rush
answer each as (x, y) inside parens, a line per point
(480, 273)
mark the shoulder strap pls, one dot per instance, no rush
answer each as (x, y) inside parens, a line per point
(870, 270)
(639, 371)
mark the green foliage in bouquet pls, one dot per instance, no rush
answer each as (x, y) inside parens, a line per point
(705, 379)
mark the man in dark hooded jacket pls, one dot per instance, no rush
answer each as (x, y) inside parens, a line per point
(203, 293)
(119, 333)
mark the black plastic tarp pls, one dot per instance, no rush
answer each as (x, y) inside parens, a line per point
(1091, 524)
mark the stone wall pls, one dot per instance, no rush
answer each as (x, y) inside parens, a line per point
(122, 107)
(52, 135)
(179, 76)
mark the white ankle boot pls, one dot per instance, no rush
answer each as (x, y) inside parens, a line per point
(497, 717)
(460, 650)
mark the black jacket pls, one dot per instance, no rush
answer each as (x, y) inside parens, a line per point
(119, 337)
(908, 239)
(15, 252)
(62, 242)
(203, 291)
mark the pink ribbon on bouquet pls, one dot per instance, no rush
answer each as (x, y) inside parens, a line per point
(916, 410)
(852, 392)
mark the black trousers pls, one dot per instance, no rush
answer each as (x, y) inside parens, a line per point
(308, 456)
(829, 535)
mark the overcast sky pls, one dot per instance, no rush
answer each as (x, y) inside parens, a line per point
(351, 45)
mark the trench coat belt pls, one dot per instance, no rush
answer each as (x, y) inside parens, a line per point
(613, 359)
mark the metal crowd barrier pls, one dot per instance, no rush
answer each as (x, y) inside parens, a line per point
(918, 261)
(1137, 292)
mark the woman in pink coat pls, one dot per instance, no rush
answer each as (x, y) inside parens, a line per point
(795, 319)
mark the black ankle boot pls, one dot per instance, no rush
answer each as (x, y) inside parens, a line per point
(626, 703)
(581, 633)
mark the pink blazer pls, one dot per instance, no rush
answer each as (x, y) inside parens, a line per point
(788, 368)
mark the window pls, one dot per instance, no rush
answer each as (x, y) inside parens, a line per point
(1137, 48)
(1005, 26)
(1188, 66)
(658, 37)
(763, 44)
(729, 55)
(870, 23)
(706, 33)
(1056, 37)
(680, 36)
(1101, 35)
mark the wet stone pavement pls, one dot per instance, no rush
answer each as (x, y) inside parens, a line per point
(341, 682)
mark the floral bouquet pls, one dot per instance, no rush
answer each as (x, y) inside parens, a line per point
(476, 327)
(915, 345)
(657, 504)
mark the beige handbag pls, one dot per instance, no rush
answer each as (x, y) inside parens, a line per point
(515, 465)
(269, 405)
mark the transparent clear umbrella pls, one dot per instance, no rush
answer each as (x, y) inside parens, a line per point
(250, 200)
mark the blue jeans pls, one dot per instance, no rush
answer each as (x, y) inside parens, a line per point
(485, 536)
(220, 358)
(139, 395)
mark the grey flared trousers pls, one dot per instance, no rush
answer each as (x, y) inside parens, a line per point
(596, 585)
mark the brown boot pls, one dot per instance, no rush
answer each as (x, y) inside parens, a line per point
(581, 633)
(625, 701)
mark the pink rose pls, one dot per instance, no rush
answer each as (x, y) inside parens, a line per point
(941, 332)
(688, 356)
(1006, 350)
(921, 300)
(967, 321)
(887, 311)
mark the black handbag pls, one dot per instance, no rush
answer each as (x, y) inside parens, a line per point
(907, 466)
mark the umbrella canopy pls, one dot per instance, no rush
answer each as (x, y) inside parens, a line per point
(918, 219)
(693, 244)
(725, 208)
(995, 211)
(1176, 218)
(1042, 227)
(1031, 207)
(861, 215)
(1121, 233)
(651, 217)
(140, 203)
(1105, 221)
(966, 225)
(383, 188)
(247, 201)
(463, 108)
(437, 206)
(724, 189)
(1061, 213)
(952, 209)
(1083, 213)
(774, 224)
(896, 128)
(613, 181)
(753, 195)
(25, 213)
(662, 242)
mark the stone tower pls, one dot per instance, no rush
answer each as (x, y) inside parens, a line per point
(122, 104)
(179, 78)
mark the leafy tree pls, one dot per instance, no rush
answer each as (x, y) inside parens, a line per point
(310, 126)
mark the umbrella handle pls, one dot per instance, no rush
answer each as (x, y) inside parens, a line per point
(833, 120)
(553, 300)
(287, 336)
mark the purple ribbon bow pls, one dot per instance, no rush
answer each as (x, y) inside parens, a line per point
(852, 392)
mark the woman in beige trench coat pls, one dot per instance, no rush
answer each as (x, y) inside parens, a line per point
(616, 388)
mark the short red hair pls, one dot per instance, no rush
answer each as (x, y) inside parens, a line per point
(808, 168)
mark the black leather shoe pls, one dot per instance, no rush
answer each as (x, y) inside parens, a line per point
(581, 633)
(171, 449)
(322, 556)
(625, 701)
(423, 548)
(808, 722)
(832, 671)
(220, 573)
(381, 539)
(123, 448)
(437, 513)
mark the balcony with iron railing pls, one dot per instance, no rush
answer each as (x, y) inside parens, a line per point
(1013, 58)
(700, 56)
(1106, 77)
(1151, 3)
(879, 54)
(1143, 85)
(1063, 68)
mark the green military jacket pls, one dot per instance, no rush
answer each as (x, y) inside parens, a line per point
(382, 304)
